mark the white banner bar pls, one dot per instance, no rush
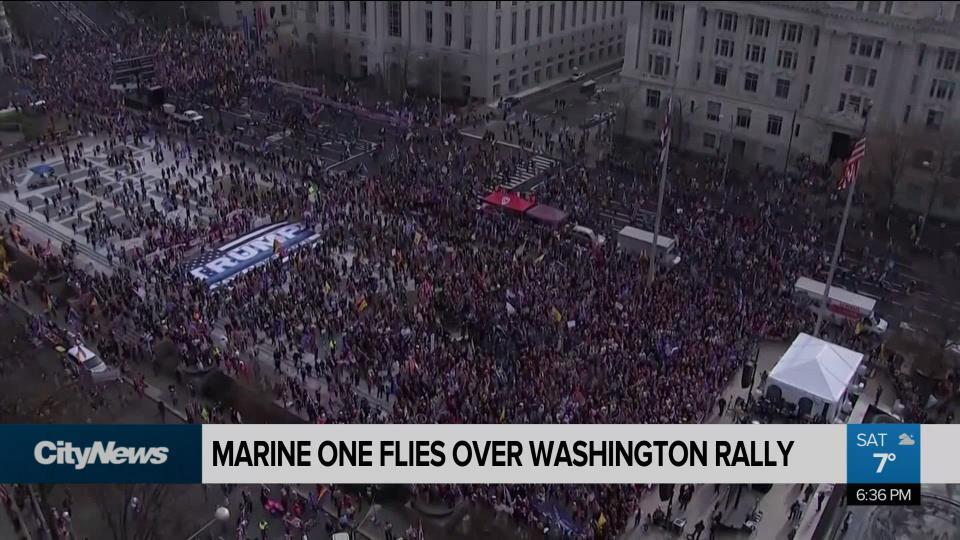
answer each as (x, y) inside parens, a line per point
(525, 454)
(940, 454)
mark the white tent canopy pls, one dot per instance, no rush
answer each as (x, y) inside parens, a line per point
(817, 370)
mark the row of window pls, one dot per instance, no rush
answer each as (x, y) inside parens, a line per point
(948, 59)
(874, 7)
(866, 47)
(498, 22)
(603, 5)
(758, 26)
(725, 48)
(742, 119)
(447, 29)
(850, 103)
(853, 103)
(855, 75)
(751, 82)
(552, 17)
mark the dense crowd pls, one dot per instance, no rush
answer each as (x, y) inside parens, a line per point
(416, 306)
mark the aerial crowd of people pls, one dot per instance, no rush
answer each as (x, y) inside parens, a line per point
(417, 304)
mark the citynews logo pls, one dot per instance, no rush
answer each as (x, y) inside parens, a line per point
(64, 453)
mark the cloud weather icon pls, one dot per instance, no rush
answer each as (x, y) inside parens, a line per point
(906, 440)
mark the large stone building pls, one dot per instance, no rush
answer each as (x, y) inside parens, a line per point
(482, 49)
(762, 80)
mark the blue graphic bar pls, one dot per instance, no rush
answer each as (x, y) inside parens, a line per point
(883, 454)
(100, 454)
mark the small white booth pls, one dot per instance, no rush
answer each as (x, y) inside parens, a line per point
(814, 374)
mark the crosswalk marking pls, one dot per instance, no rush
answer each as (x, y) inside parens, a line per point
(526, 171)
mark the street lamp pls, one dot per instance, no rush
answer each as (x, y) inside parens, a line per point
(220, 515)
(938, 178)
(726, 160)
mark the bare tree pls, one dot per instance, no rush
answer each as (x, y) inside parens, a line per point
(136, 511)
(627, 96)
(451, 77)
(887, 160)
(396, 72)
(939, 336)
(944, 142)
(427, 78)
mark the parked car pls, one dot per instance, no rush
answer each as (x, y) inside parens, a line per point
(193, 116)
(577, 75)
(588, 236)
(82, 359)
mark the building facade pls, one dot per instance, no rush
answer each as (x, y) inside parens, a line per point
(6, 40)
(768, 81)
(481, 50)
(238, 15)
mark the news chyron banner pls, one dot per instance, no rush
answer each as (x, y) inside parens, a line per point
(880, 460)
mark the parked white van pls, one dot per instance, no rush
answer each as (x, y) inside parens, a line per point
(843, 304)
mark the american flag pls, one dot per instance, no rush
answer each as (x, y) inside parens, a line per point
(852, 167)
(665, 134)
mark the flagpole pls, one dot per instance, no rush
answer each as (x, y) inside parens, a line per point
(851, 184)
(665, 156)
(654, 250)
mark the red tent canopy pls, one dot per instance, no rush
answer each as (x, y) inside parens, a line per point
(508, 201)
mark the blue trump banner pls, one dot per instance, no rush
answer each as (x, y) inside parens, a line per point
(100, 454)
(230, 260)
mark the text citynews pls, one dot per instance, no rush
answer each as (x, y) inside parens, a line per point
(65, 453)
(502, 453)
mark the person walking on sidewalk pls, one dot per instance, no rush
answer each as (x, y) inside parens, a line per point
(846, 523)
(794, 510)
(698, 530)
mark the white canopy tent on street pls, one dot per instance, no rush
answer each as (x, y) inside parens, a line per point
(817, 371)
